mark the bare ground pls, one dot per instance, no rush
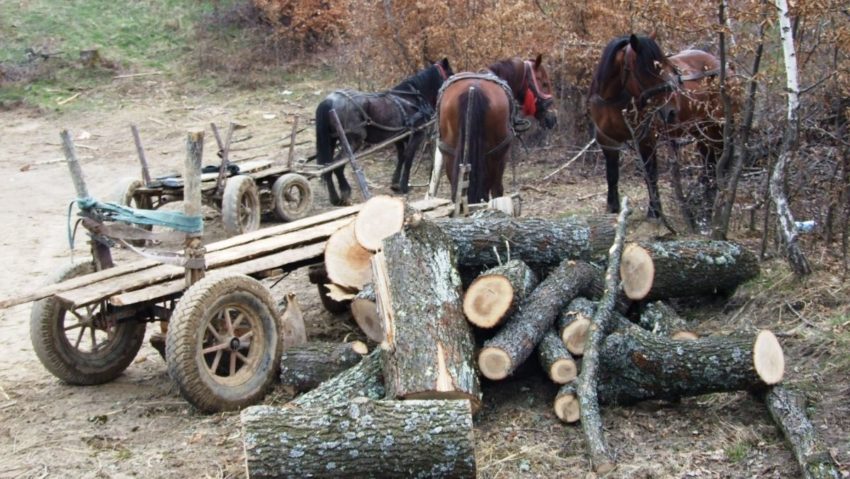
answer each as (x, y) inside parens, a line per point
(139, 426)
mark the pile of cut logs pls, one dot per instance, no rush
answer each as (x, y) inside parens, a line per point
(426, 289)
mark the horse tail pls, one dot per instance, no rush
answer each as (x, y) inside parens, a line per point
(324, 136)
(470, 147)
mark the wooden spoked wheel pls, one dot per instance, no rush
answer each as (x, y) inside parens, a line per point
(240, 206)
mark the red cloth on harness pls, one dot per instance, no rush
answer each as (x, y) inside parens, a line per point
(529, 104)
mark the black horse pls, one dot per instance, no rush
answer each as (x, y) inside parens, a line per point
(370, 118)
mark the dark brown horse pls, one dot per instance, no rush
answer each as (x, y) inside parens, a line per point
(370, 118)
(492, 99)
(670, 97)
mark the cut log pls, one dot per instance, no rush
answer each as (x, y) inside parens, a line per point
(676, 269)
(363, 380)
(555, 359)
(428, 344)
(512, 345)
(365, 313)
(573, 323)
(306, 366)
(346, 262)
(363, 438)
(660, 318)
(532, 240)
(788, 412)
(566, 404)
(319, 276)
(495, 294)
(638, 365)
(381, 217)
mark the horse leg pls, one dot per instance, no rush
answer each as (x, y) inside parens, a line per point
(344, 187)
(612, 175)
(406, 159)
(497, 187)
(396, 185)
(333, 197)
(650, 167)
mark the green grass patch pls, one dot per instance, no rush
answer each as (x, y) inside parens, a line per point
(738, 451)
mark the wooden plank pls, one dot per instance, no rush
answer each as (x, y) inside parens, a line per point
(169, 288)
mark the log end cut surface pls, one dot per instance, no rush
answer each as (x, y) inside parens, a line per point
(381, 217)
(366, 316)
(574, 335)
(487, 300)
(563, 371)
(567, 408)
(637, 272)
(348, 264)
(768, 358)
(494, 363)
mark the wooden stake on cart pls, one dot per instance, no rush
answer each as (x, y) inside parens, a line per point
(291, 155)
(225, 152)
(100, 252)
(358, 172)
(146, 174)
(194, 246)
(460, 199)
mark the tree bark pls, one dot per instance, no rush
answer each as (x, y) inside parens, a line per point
(496, 293)
(672, 269)
(660, 318)
(638, 365)
(512, 345)
(365, 313)
(429, 346)
(532, 240)
(363, 438)
(555, 359)
(306, 366)
(788, 412)
(363, 380)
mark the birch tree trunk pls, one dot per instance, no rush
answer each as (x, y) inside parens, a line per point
(787, 228)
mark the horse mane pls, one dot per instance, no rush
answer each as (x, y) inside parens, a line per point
(646, 56)
(607, 67)
(426, 81)
(507, 70)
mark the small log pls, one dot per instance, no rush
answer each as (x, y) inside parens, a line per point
(495, 294)
(382, 216)
(660, 318)
(362, 380)
(566, 405)
(573, 323)
(638, 365)
(364, 309)
(533, 240)
(363, 438)
(788, 412)
(428, 344)
(555, 359)
(319, 276)
(306, 366)
(676, 269)
(512, 345)
(346, 262)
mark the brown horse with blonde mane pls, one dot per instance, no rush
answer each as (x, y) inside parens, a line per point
(671, 96)
(490, 101)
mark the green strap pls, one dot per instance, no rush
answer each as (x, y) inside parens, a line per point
(116, 212)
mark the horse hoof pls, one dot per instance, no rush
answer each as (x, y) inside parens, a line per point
(395, 188)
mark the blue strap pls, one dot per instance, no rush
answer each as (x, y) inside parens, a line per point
(169, 219)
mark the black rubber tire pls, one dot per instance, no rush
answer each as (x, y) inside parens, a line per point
(63, 359)
(293, 197)
(205, 381)
(124, 193)
(240, 206)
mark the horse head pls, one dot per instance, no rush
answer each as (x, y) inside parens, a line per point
(650, 77)
(537, 96)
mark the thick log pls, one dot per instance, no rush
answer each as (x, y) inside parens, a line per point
(305, 367)
(533, 240)
(555, 359)
(496, 293)
(675, 269)
(363, 380)
(363, 438)
(364, 309)
(428, 344)
(660, 318)
(788, 412)
(566, 404)
(573, 323)
(381, 217)
(638, 365)
(512, 345)
(601, 458)
(346, 262)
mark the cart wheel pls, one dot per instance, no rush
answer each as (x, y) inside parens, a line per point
(80, 346)
(125, 194)
(293, 197)
(240, 207)
(223, 344)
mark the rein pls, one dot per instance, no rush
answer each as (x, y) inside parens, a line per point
(533, 97)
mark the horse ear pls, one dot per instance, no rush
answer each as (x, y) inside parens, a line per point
(445, 63)
(538, 61)
(634, 42)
